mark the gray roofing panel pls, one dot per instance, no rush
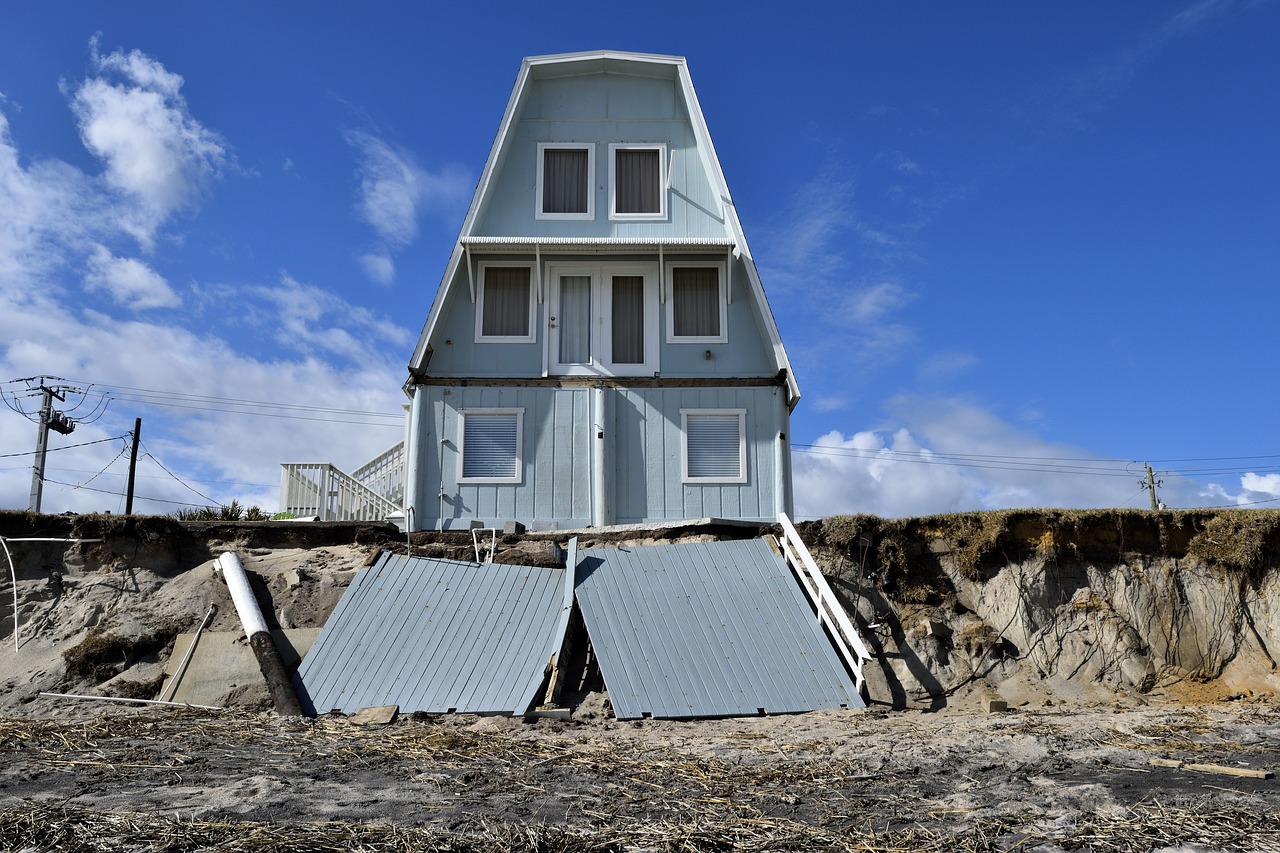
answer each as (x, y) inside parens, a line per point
(707, 630)
(435, 635)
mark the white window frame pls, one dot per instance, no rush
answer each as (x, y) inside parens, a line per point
(684, 447)
(663, 190)
(518, 476)
(590, 148)
(481, 337)
(670, 283)
(601, 363)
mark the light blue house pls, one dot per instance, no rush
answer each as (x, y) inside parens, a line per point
(600, 350)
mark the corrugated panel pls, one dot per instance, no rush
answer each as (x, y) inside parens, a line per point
(436, 636)
(713, 629)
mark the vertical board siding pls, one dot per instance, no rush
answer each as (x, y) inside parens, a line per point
(601, 110)
(650, 419)
(555, 459)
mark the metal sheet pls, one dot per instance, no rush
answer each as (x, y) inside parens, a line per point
(436, 636)
(714, 629)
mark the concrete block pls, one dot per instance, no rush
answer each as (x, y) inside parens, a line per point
(512, 528)
(994, 705)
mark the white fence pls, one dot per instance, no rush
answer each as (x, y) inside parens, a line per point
(830, 612)
(320, 489)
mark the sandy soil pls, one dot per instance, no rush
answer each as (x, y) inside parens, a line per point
(1067, 767)
(957, 779)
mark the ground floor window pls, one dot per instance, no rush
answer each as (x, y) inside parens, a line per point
(715, 449)
(489, 442)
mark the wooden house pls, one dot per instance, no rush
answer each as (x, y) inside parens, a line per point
(600, 350)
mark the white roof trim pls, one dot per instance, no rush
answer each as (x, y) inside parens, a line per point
(714, 242)
(706, 150)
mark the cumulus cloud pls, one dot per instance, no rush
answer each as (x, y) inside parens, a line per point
(950, 454)
(129, 282)
(59, 224)
(228, 450)
(132, 116)
(394, 192)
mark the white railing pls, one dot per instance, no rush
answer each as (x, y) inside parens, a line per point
(384, 474)
(831, 613)
(319, 489)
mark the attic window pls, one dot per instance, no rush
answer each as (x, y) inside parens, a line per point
(636, 181)
(714, 445)
(565, 181)
(504, 304)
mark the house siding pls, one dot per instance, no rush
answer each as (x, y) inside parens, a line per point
(599, 111)
(643, 447)
(456, 352)
(626, 412)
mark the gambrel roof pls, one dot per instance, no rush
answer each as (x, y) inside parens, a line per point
(538, 68)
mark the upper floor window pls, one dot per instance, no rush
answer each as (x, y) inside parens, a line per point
(565, 182)
(697, 307)
(504, 304)
(637, 181)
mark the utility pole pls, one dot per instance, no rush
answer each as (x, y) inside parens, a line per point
(49, 420)
(133, 465)
(1150, 485)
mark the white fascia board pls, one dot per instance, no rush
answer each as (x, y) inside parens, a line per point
(711, 162)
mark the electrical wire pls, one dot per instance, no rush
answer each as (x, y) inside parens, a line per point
(121, 494)
(63, 447)
(122, 452)
(189, 487)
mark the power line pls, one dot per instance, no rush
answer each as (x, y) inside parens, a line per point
(63, 447)
(121, 494)
(189, 487)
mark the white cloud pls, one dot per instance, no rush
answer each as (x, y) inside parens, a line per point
(128, 281)
(208, 439)
(1261, 484)
(395, 191)
(134, 118)
(313, 321)
(948, 455)
(379, 267)
(58, 224)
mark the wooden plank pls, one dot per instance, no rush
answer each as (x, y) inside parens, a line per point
(379, 715)
(1244, 772)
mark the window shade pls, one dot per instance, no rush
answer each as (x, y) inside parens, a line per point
(628, 319)
(695, 309)
(714, 446)
(490, 445)
(637, 177)
(565, 180)
(506, 302)
(574, 321)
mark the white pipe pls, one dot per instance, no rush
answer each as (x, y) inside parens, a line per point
(241, 594)
(599, 482)
(138, 701)
(13, 574)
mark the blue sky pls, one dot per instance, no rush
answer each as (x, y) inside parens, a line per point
(1014, 250)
